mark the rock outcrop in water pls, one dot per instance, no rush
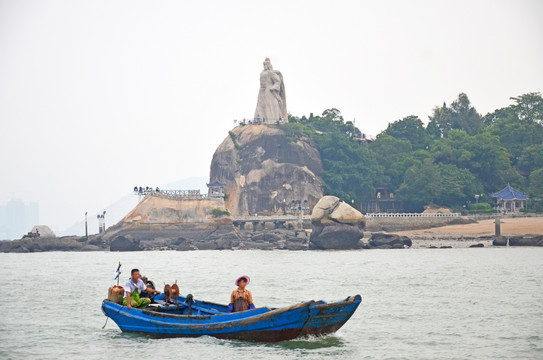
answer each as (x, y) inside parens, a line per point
(166, 223)
(43, 244)
(526, 240)
(264, 170)
(389, 241)
(336, 225)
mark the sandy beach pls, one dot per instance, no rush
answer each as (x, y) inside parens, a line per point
(469, 234)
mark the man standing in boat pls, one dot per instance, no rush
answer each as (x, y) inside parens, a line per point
(241, 299)
(132, 291)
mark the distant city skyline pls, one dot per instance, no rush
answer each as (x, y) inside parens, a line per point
(17, 218)
(98, 96)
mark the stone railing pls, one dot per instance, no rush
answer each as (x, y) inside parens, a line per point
(179, 194)
(397, 215)
(269, 218)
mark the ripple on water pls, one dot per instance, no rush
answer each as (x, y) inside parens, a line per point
(416, 304)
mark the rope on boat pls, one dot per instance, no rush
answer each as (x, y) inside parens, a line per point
(107, 317)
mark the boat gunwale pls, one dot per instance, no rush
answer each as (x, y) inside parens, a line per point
(155, 316)
(343, 303)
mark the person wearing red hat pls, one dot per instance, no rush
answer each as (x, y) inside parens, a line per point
(241, 299)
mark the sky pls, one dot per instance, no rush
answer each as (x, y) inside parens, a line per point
(97, 97)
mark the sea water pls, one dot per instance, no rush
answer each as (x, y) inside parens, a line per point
(416, 304)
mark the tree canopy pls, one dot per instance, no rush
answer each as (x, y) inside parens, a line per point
(458, 154)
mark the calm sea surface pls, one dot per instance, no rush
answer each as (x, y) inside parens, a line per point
(416, 304)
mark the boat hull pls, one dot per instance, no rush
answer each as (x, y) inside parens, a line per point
(328, 318)
(262, 324)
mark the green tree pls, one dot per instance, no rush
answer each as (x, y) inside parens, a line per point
(461, 115)
(536, 184)
(350, 170)
(441, 184)
(531, 158)
(409, 128)
(529, 107)
(458, 185)
(421, 186)
(394, 156)
(516, 135)
(482, 154)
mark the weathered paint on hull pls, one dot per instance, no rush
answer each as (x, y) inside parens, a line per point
(256, 336)
(329, 318)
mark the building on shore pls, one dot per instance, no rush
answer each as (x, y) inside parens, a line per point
(382, 202)
(509, 200)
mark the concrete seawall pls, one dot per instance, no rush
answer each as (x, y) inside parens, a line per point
(399, 223)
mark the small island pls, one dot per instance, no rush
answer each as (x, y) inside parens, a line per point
(317, 182)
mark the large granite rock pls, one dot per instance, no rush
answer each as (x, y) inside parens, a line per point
(159, 223)
(263, 170)
(121, 243)
(336, 236)
(43, 230)
(271, 106)
(330, 210)
(336, 225)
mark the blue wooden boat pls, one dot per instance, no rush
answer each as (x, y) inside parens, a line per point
(192, 318)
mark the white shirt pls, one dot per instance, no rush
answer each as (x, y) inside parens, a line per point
(131, 287)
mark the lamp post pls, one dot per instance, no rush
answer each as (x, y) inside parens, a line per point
(104, 221)
(99, 217)
(297, 206)
(101, 222)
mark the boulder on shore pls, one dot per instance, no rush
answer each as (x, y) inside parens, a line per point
(336, 225)
(43, 230)
(338, 237)
(121, 243)
(330, 210)
(526, 240)
(40, 244)
(499, 241)
(389, 241)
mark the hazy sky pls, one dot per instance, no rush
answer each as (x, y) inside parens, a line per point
(99, 96)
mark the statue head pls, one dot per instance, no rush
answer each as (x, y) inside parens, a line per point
(267, 64)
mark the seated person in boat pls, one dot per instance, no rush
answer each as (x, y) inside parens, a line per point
(132, 290)
(151, 285)
(241, 298)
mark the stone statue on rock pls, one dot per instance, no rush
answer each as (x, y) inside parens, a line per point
(271, 106)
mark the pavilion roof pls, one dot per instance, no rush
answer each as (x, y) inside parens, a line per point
(508, 193)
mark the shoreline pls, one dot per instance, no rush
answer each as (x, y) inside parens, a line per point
(519, 231)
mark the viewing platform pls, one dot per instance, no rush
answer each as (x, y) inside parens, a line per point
(215, 192)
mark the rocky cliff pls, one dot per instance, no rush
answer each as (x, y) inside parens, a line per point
(165, 223)
(264, 170)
